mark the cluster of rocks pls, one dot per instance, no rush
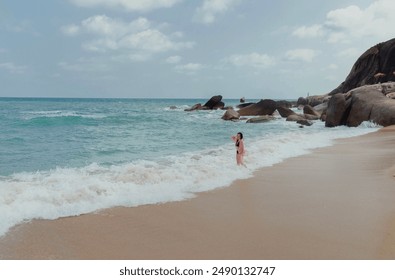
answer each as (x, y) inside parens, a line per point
(258, 112)
(367, 94)
(213, 103)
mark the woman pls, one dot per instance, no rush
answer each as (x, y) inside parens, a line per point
(239, 143)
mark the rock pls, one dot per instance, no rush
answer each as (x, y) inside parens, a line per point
(242, 100)
(230, 114)
(379, 59)
(213, 102)
(285, 112)
(304, 122)
(244, 105)
(388, 87)
(263, 107)
(336, 112)
(311, 117)
(219, 105)
(315, 100)
(391, 95)
(301, 101)
(368, 103)
(173, 107)
(285, 104)
(194, 107)
(307, 109)
(260, 119)
(321, 108)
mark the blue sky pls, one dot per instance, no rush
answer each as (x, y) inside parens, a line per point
(184, 48)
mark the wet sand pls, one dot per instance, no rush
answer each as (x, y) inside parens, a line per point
(335, 203)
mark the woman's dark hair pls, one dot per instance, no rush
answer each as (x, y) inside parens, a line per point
(241, 135)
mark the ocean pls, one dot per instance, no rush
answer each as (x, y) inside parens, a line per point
(67, 157)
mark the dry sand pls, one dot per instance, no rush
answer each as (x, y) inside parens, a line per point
(335, 203)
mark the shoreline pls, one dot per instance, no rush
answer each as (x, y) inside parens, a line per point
(333, 203)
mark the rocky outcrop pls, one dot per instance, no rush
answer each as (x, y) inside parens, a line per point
(263, 107)
(231, 114)
(366, 103)
(376, 65)
(369, 104)
(214, 102)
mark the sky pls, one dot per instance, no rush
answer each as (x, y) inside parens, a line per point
(255, 49)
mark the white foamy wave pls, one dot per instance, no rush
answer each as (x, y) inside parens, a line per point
(59, 114)
(176, 108)
(73, 191)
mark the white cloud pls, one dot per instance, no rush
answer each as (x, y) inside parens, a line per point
(71, 29)
(255, 60)
(84, 65)
(129, 5)
(152, 40)
(173, 59)
(345, 24)
(190, 68)
(116, 35)
(306, 55)
(313, 31)
(210, 9)
(13, 68)
(333, 66)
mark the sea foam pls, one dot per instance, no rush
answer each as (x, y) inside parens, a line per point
(62, 192)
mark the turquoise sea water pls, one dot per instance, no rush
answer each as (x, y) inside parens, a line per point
(65, 157)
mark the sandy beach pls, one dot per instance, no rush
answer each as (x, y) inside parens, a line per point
(334, 203)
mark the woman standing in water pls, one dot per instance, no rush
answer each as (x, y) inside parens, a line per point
(239, 143)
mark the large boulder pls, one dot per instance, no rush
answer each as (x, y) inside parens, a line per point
(230, 114)
(263, 107)
(260, 119)
(219, 105)
(335, 114)
(307, 109)
(285, 112)
(376, 65)
(214, 102)
(197, 106)
(321, 108)
(301, 101)
(368, 103)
